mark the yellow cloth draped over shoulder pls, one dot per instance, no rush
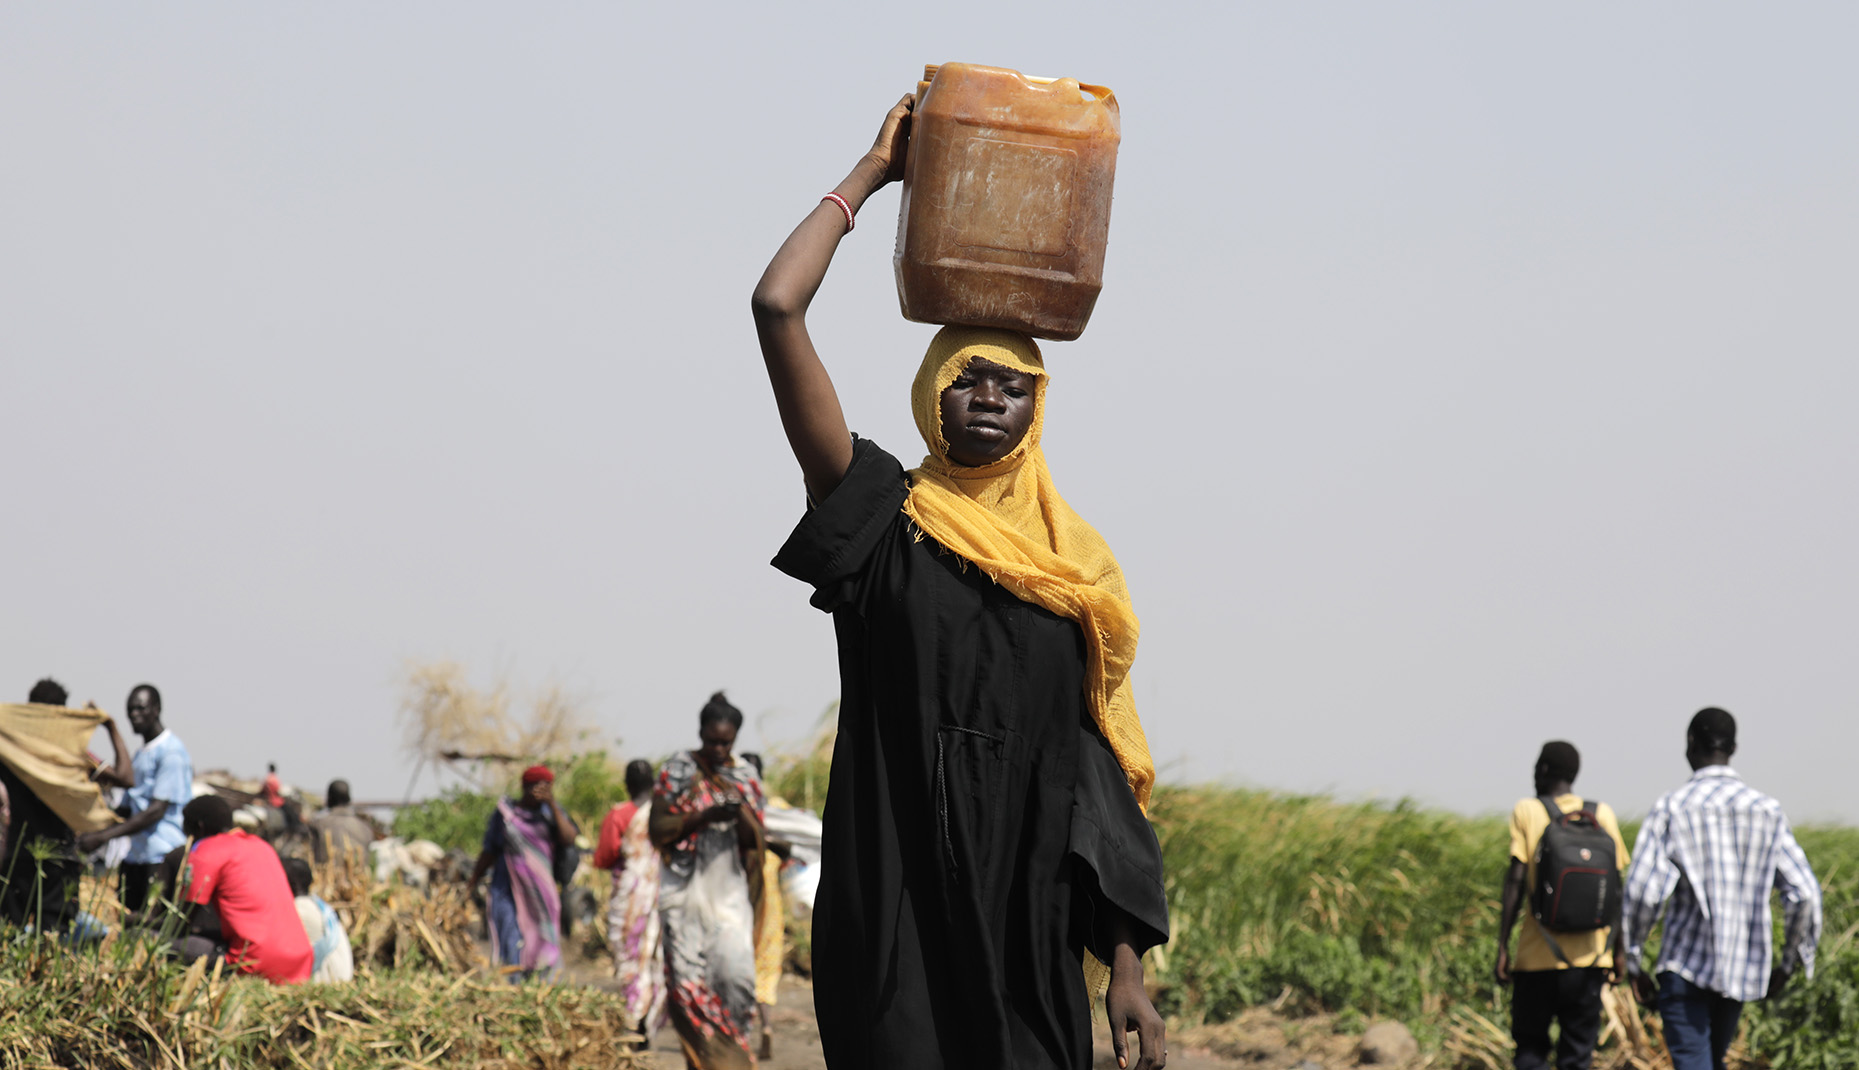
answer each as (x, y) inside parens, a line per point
(1009, 520)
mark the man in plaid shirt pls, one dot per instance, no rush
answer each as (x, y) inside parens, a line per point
(1714, 848)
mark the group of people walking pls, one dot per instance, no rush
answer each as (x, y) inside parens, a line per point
(1706, 859)
(691, 890)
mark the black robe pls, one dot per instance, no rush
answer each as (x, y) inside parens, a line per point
(979, 832)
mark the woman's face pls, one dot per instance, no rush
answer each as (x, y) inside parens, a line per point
(986, 412)
(718, 740)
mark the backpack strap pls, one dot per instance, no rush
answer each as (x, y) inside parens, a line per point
(1591, 807)
(1551, 941)
(1555, 815)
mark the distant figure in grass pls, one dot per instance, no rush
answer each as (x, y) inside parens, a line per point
(1713, 850)
(522, 841)
(40, 859)
(1557, 975)
(333, 959)
(337, 829)
(241, 907)
(163, 784)
(986, 869)
(707, 812)
(625, 850)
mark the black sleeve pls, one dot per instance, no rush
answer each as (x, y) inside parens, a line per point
(1120, 861)
(832, 543)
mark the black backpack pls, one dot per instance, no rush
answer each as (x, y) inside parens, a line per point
(1577, 874)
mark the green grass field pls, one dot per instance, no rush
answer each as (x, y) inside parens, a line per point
(1392, 912)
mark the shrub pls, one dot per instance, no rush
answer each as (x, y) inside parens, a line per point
(456, 818)
(586, 784)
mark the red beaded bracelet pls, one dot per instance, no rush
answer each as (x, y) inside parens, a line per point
(844, 207)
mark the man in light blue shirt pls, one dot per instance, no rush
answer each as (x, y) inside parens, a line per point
(164, 783)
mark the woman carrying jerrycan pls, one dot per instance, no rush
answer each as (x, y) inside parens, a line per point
(984, 836)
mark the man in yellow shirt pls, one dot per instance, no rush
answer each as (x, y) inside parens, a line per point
(1547, 985)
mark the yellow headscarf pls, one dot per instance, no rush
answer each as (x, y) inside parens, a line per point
(1008, 518)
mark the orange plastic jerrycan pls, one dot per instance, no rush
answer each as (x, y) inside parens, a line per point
(1006, 203)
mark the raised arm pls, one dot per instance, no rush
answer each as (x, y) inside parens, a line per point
(121, 773)
(810, 413)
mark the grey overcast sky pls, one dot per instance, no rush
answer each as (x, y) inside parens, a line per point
(1466, 375)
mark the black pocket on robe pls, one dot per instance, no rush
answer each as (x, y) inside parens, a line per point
(976, 776)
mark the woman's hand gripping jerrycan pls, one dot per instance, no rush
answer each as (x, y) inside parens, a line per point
(1006, 203)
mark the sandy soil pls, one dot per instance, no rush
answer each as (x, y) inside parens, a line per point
(1258, 1040)
(797, 1042)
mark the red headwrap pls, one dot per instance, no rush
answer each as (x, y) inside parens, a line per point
(538, 773)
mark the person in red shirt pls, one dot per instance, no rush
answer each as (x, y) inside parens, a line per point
(239, 878)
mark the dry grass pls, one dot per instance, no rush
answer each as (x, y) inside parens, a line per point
(393, 926)
(1630, 1039)
(137, 1010)
(424, 996)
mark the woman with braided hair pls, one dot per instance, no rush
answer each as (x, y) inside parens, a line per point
(706, 821)
(984, 829)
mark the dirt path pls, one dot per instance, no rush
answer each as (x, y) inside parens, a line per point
(797, 1041)
(1260, 1039)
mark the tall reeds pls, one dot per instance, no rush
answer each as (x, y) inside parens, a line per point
(1368, 910)
(1344, 906)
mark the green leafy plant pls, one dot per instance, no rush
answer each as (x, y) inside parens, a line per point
(455, 818)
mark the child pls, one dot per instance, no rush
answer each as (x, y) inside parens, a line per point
(329, 942)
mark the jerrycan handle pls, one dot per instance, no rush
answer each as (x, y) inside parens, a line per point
(1102, 93)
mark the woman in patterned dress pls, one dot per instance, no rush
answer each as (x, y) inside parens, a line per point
(707, 822)
(626, 850)
(524, 905)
